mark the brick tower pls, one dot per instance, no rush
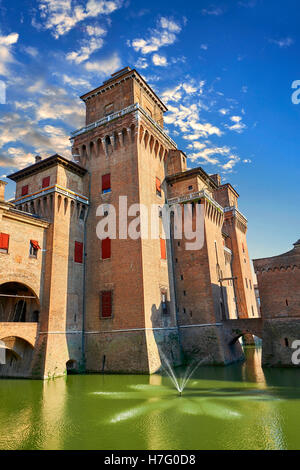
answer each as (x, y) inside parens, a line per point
(53, 189)
(130, 318)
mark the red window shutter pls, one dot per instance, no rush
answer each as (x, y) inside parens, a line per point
(105, 182)
(106, 304)
(158, 185)
(35, 244)
(4, 241)
(106, 248)
(25, 190)
(46, 182)
(78, 254)
(163, 253)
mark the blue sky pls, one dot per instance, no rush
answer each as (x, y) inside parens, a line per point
(224, 69)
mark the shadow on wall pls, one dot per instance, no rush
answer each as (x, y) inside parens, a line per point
(166, 336)
(18, 358)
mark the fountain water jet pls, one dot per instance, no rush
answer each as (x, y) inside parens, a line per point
(184, 380)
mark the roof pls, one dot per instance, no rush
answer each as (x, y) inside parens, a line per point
(193, 172)
(46, 163)
(124, 74)
(226, 185)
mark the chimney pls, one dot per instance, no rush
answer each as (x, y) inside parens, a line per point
(216, 178)
(2, 189)
(38, 159)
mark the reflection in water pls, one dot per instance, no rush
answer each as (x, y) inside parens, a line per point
(236, 407)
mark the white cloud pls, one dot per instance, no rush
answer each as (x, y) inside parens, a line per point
(238, 125)
(282, 43)
(213, 11)
(6, 57)
(223, 111)
(141, 63)
(104, 66)
(88, 46)
(159, 60)
(60, 16)
(32, 51)
(204, 47)
(163, 35)
(76, 81)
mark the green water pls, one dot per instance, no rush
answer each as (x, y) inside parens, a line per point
(235, 407)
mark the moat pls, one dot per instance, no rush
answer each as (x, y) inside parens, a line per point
(235, 407)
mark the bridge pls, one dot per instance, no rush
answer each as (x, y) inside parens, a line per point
(242, 326)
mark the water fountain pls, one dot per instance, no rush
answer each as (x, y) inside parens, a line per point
(180, 383)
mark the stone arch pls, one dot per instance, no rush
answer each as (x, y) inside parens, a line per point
(132, 132)
(99, 146)
(18, 357)
(124, 136)
(146, 138)
(71, 366)
(141, 132)
(18, 302)
(151, 143)
(91, 150)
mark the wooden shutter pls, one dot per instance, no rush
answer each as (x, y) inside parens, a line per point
(46, 182)
(78, 252)
(4, 241)
(25, 190)
(105, 182)
(35, 244)
(106, 304)
(106, 248)
(163, 253)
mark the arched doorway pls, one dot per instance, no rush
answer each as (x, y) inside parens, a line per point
(18, 303)
(71, 366)
(18, 357)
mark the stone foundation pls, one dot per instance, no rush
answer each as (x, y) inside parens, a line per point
(210, 345)
(278, 337)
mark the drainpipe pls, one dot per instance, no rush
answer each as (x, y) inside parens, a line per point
(84, 276)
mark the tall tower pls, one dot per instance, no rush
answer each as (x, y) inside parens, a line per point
(235, 225)
(130, 318)
(54, 189)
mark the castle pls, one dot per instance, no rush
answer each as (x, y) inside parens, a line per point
(70, 301)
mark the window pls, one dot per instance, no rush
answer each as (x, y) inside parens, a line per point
(149, 111)
(4, 242)
(250, 283)
(252, 310)
(78, 252)
(106, 304)
(164, 303)
(184, 292)
(106, 248)
(190, 188)
(163, 253)
(286, 342)
(158, 186)
(181, 277)
(106, 183)
(46, 182)
(243, 247)
(246, 282)
(109, 109)
(24, 190)
(286, 302)
(34, 248)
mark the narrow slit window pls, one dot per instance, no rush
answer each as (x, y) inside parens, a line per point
(106, 304)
